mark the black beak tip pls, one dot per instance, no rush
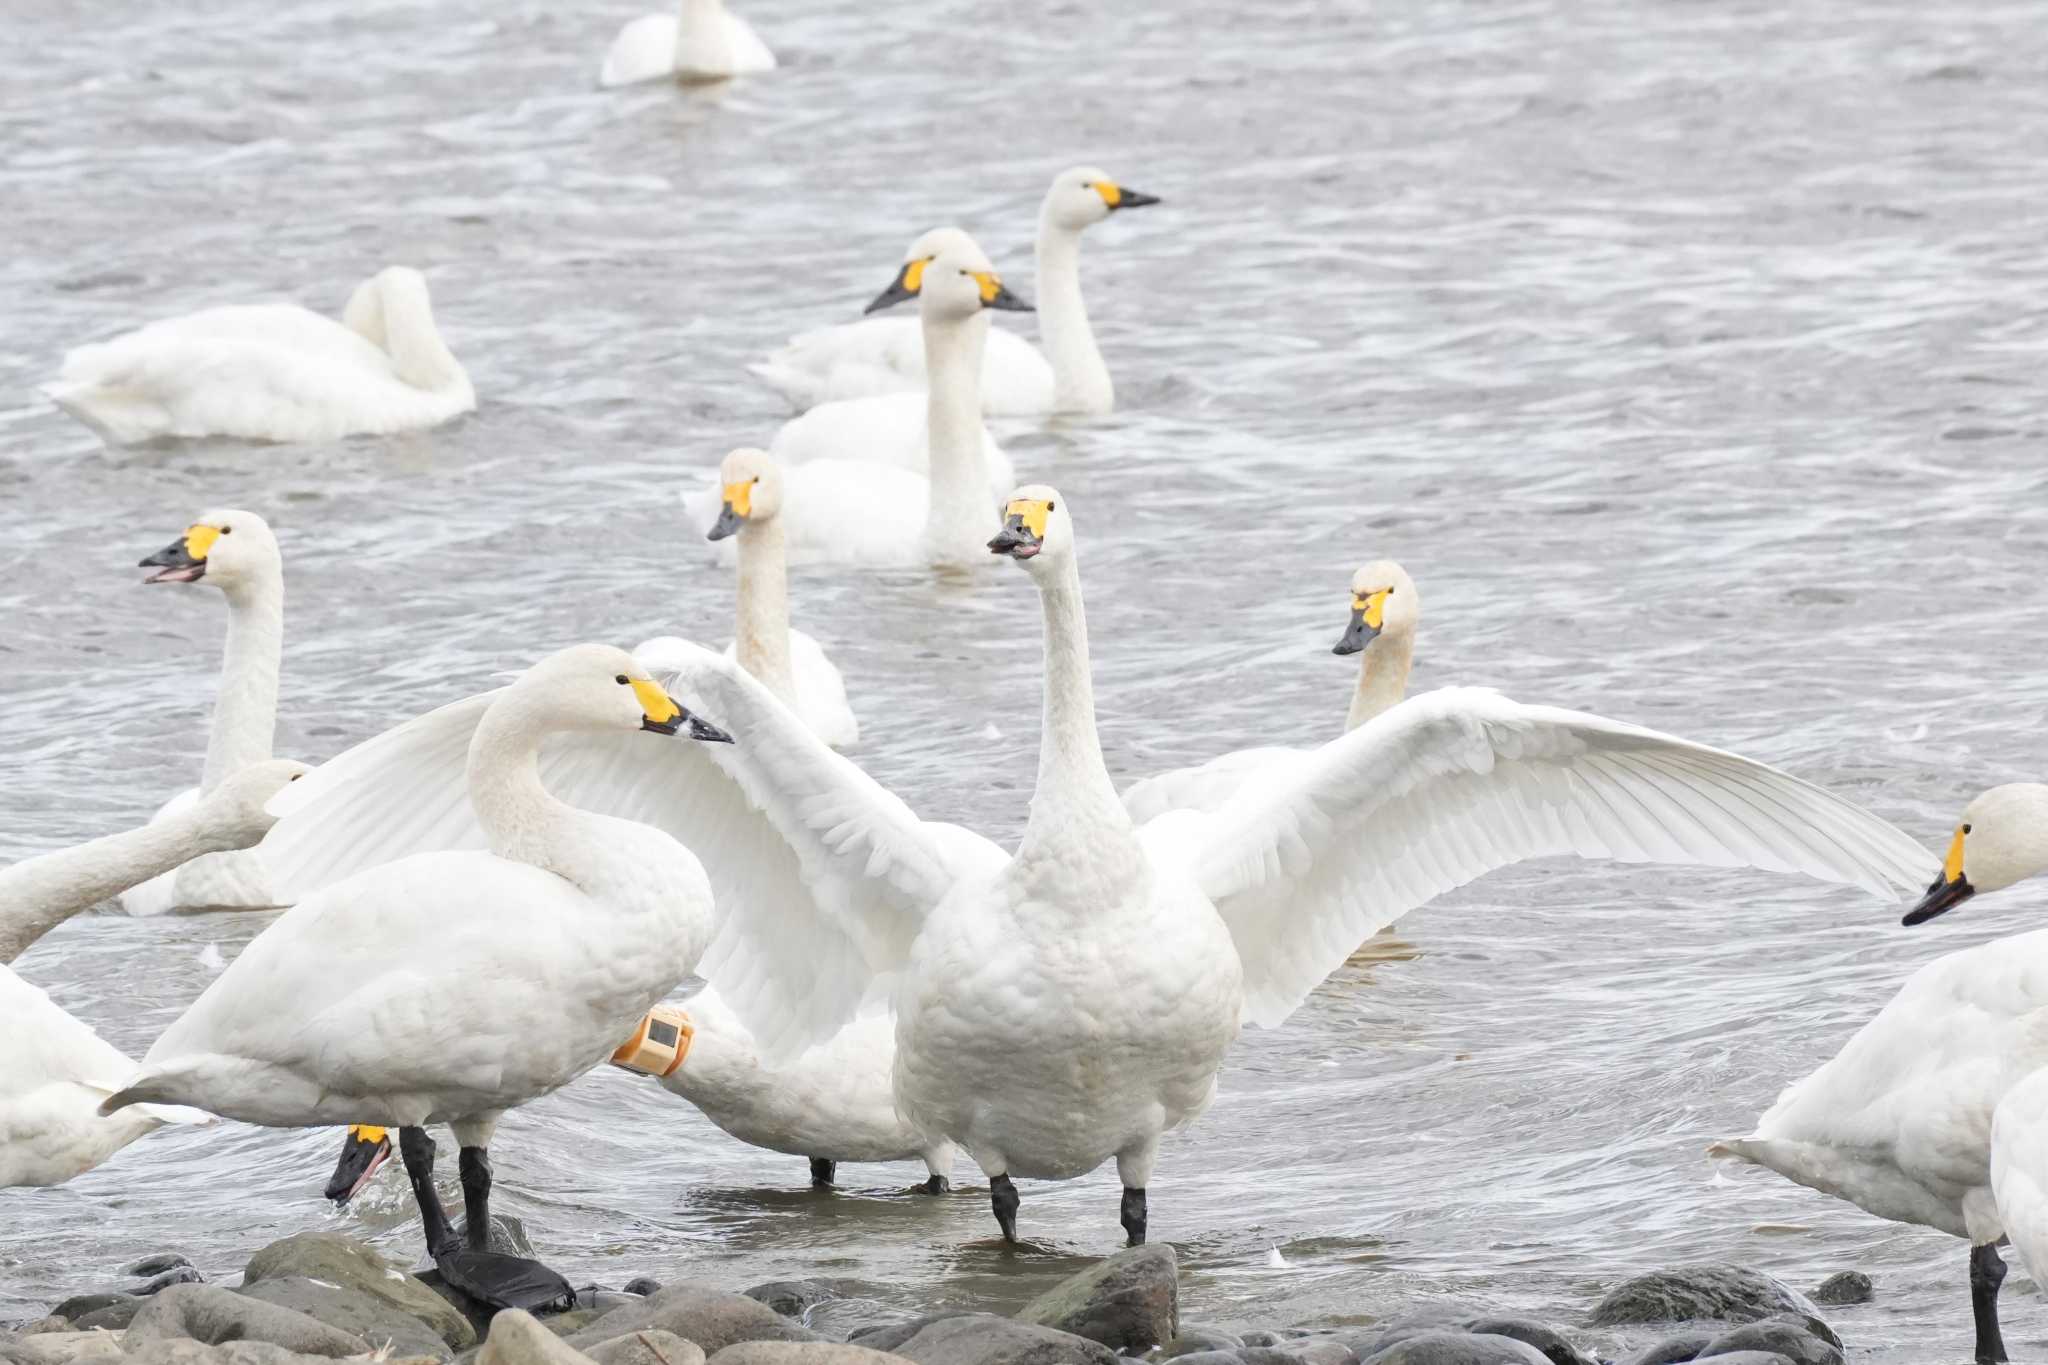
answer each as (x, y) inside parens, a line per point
(706, 732)
(1136, 199)
(1941, 898)
(728, 524)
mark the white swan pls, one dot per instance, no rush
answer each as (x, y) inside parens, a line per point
(1068, 1005)
(886, 355)
(789, 662)
(54, 1071)
(703, 42)
(1933, 1112)
(1384, 613)
(450, 987)
(273, 371)
(910, 478)
(232, 550)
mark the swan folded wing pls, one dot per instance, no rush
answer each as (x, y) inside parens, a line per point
(2019, 1169)
(1450, 785)
(822, 877)
(645, 50)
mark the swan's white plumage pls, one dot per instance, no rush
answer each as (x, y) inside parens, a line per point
(820, 701)
(889, 429)
(838, 512)
(1211, 786)
(886, 355)
(273, 372)
(2019, 1170)
(703, 41)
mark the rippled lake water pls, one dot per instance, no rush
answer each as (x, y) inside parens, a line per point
(1691, 356)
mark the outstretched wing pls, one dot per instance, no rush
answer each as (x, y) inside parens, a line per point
(1450, 785)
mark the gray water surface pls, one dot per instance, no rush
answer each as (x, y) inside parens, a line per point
(1691, 357)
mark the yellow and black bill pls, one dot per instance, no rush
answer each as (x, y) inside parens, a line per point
(994, 294)
(1023, 533)
(184, 559)
(1123, 196)
(1368, 615)
(664, 715)
(1950, 889)
(736, 504)
(908, 281)
(363, 1150)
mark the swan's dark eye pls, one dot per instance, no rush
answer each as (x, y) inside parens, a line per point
(1050, 505)
(226, 530)
(294, 777)
(757, 478)
(621, 680)
(1966, 829)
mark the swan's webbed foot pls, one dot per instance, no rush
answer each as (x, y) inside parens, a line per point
(1133, 1215)
(823, 1168)
(937, 1184)
(1003, 1198)
(500, 1281)
(1987, 1272)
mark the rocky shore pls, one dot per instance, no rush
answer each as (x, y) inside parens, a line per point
(320, 1297)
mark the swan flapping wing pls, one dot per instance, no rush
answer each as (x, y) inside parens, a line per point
(1450, 785)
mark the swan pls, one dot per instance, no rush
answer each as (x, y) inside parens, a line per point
(54, 1070)
(1066, 1006)
(886, 355)
(703, 42)
(1384, 613)
(273, 371)
(1932, 1113)
(863, 484)
(789, 662)
(451, 987)
(235, 551)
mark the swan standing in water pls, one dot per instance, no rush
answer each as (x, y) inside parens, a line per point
(451, 987)
(1069, 1005)
(911, 478)
(886, 355)
(1384, 613)
(54, 1070)
(234, 551)
(1933, 1112)
(703, 42)
(273, 371)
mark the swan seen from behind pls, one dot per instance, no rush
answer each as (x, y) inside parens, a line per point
(703, 41)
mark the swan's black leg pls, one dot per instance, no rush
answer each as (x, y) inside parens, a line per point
(936, 1184)
(416, 1149)
(492, 1279)
(1987, 1272)
(1134, 1215)
(822, 1170)
(1002, 1197)
(474, 1163)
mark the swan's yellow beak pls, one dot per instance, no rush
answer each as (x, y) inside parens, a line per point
(737, 506)
(994, 295)
(363, 1150)
(184, 559)
(908, 281)
(1023, 533)
(1950, 889)
(1119, 197)
(664, 715)
(1368, 618)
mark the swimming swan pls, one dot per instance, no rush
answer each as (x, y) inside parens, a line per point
(232, 550)
(911, 478)
(1192, 925)
(704, 42)
(451, 987)
(273, 371)
(1932, 1113)
(886, 355)
(54, 1070)
(1384, 613)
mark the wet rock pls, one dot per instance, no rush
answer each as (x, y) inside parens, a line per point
(1546, 1339)
(337, 1260)
(1845, 1286)
(1214, 1356)
(44, 1326)
(1268, 1355)
(563, 1324)
(1457, 1348)
(362, 1315)
(149, 1267)
(177, 1274)
(212, 1315)
(60, 1348)
(78, 1305)
(1813, 1325)
(643, 1285)
(651, 1348)
(1750, 1358)
(803, 1353)
(985, 1339)
(889, 1335)
(1672, 1350)
(711, 1318)
(115, 1317)
(1129, 1302)
(1258, 1336)
(517, 1338)
(1320, 1351)
(791, 1298)
(605, 1300)
(1793, 1343)
(1729, 1292)
(1192, 1339)
(175, 1351)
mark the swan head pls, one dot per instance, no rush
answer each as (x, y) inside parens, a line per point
(2002, 839)
(946, 272)
(750, 491)
(603, 688)
(235, 809)
(1085, 195)
(1382, 599)
(229, 548)
(364, 1148)
(1037, 531)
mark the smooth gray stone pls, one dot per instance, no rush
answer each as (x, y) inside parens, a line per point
(334, 1259)
(643, 1285)
(575, 1320)
(149, 1267)
(803, 1353)
(888, 1336)
(1750, 1358)
(1192, 1339)
(1458, 1348)
(1728, 1292)
(1787, 1340)
(712, 1318)
(1130, 1302)
(1214, 1356)
(791, 1298)
(184, 1352)
(61, 1348)
(46, 1325)
(1320, 1351)
(1845, 1286)
(210, 1314)
(1269, 1355)
(1551, 1342)
(517, 1338)
(649, 1348)
(177, 1274)
(1367, 1342)
(78, 1305)
(353, 1311)
(1258, 1336)
(1673, 1350)
(985, 1339)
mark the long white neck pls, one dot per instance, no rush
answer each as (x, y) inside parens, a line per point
(961, 515)
(1076, 819)
(761, 639)
(704, 46)
(245, 711)
(522, 819)
(40, 893)
(1382, 673)
(418, 354)
(1080, 378)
